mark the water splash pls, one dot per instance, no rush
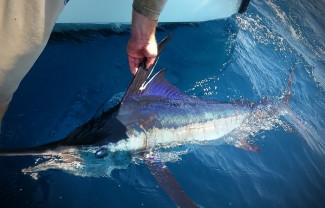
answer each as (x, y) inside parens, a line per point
(281, 27)
(273, 39)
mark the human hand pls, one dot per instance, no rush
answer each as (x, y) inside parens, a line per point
(138, 51)
(142, 43)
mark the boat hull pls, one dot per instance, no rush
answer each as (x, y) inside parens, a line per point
(112, 11)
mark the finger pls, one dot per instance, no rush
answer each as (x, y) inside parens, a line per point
(132, 64)
(150, 61)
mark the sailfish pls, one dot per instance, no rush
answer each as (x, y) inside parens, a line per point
(153, 114)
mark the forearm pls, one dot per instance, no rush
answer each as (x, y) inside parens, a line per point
(143, 29)
(149, 8)
(145, 16)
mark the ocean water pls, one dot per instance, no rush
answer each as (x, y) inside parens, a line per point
(247, 56)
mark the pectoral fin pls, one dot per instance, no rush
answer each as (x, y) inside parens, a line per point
(167, 181)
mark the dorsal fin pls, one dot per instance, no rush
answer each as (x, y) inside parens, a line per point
(143, 73)
(159, 86)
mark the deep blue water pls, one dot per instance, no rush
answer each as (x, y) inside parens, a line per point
(247, 56)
